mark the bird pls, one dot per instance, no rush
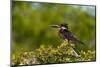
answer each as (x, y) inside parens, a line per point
(65, 33)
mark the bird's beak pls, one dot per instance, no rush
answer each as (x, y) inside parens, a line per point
(55, 26)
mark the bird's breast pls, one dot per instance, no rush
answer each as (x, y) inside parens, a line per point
(63, 34)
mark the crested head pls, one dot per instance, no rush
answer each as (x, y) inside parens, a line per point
(60, 26)
(64, 26)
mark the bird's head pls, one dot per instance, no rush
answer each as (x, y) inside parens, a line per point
(60, 26)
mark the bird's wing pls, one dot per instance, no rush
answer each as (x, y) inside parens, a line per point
(70, 36)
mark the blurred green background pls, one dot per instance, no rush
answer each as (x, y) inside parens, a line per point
(30, 24)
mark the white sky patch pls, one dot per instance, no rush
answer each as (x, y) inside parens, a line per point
(89, 9)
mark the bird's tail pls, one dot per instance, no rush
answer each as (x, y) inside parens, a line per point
(80, 42)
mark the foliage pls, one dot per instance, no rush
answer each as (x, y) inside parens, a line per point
(49, 55)
(30, 24)
(34, 42)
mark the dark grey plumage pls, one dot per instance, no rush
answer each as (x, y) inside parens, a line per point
(66, 34)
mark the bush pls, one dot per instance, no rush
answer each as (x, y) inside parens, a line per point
(47, 55)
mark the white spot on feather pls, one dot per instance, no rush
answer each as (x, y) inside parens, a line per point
(63, 27)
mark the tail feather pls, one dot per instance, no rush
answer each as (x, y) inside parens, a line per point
(78, 41)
